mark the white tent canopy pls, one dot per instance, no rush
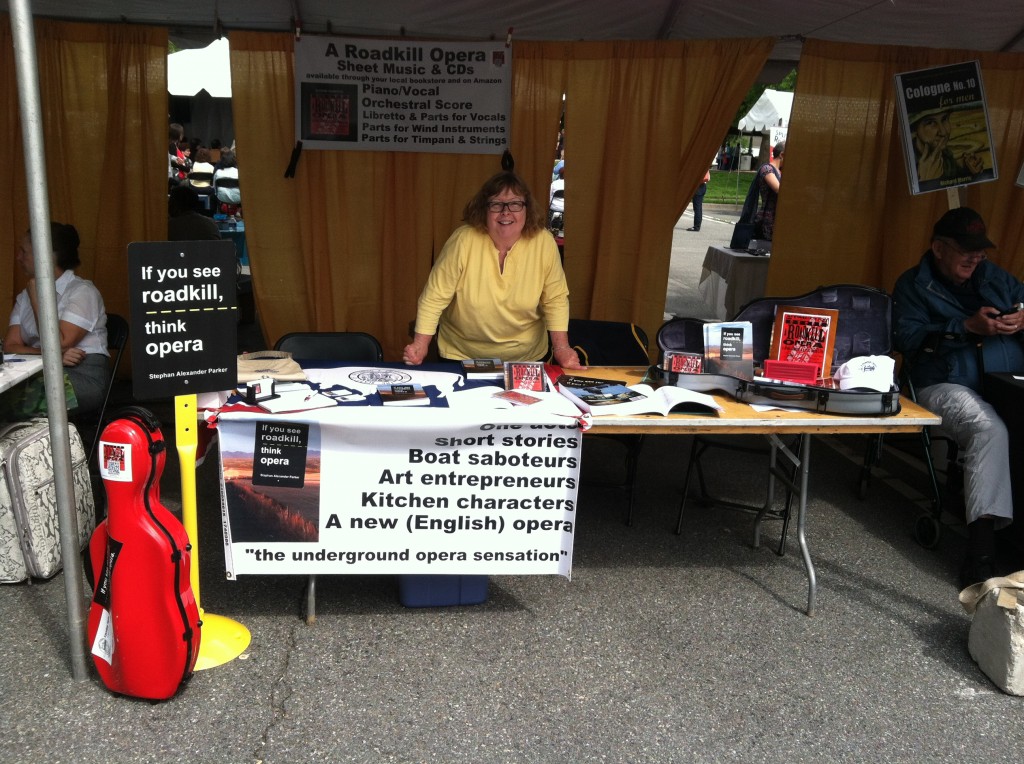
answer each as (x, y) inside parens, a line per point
(209, 69)
(771, 110)
(988, 25)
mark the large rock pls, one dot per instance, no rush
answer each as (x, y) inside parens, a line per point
(996, 642)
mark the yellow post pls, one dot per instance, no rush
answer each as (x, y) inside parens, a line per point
(223, 639)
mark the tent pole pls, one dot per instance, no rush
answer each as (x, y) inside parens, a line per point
(49, 333)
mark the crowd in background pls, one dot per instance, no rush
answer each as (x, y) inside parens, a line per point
(211, 172)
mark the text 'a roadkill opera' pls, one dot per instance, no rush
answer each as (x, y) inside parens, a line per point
(388, 95)
(399, 497)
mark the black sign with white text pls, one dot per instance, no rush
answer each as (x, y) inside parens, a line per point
(184, 317)
(279, 457)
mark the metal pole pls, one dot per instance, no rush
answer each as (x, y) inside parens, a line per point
(49, 333)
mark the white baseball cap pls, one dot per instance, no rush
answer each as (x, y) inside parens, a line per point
(871, 372)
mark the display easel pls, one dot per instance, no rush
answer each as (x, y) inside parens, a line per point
(223, 639)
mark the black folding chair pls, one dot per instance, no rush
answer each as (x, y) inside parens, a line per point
(331, 346)
(328, 346)
(687, 335)
(614, 343)
(865, 328)
(928, 528)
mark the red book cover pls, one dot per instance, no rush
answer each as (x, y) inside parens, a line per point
(805, 335)
(684, 363)
(525, 375)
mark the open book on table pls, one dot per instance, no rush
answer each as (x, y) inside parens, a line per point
(603, 397)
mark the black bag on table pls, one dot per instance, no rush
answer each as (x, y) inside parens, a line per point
(745, 227)
(864, 328)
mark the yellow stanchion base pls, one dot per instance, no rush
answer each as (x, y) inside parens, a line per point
(222, 641)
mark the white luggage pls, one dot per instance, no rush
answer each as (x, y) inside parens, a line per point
(29, 533)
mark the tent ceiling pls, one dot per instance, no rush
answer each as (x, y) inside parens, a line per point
(986, 25)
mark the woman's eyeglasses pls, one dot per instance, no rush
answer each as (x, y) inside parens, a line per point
(514, 206)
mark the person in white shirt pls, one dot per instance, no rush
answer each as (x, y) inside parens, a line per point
(82, 318)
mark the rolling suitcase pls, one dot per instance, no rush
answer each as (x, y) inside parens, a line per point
(29, 532)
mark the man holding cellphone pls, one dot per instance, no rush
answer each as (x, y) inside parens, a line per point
(955, 319)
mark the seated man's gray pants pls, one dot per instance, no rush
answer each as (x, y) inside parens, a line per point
(981, 435)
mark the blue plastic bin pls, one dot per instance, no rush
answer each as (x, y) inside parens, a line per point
(442, 591)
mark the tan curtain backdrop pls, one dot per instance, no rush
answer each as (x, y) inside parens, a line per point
(643, 122)
(103, 89)
(845, 212)
(347, 243)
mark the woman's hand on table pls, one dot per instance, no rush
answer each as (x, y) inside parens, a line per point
(567, 358)
(416, 351)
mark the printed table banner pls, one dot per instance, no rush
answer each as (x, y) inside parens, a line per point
(410, 491)
(390, 95)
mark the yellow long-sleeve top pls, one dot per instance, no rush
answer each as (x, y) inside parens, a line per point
(479, 311)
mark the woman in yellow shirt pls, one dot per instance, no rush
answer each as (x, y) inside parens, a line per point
(497, 285)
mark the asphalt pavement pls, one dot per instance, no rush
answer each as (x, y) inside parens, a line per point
(688, 250)
(662, 648)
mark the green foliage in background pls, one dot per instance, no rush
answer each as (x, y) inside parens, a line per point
(728, 187)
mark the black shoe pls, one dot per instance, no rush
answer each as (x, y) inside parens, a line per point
(976, 569)
(693, 228)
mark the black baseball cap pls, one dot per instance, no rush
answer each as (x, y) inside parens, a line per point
(964, 226)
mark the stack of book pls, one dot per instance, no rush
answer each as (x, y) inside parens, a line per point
(484, 368)
(403, 395)
(729, 349)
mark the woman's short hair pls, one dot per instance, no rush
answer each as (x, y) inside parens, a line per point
(779, 149)
(65, 241)
(475, 212)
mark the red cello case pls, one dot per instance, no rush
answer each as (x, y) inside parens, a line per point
(144, 626)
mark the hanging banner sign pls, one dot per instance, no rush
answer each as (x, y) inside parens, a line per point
(944, 124)
(388, 95)
(394, 492)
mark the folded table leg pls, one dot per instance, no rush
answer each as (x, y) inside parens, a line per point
(797, 485)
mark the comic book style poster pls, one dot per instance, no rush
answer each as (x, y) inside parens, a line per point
(805, 335)
(945, 127)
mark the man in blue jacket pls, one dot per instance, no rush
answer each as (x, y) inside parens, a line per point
(952, 326)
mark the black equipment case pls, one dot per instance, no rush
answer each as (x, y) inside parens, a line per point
(864, 328)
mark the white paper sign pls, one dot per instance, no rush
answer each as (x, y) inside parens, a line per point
(400, 491)
(103, 642)
(397, 95)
